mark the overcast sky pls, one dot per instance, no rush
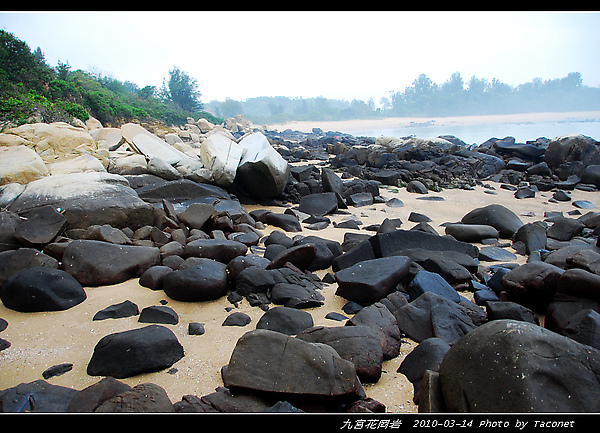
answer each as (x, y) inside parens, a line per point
(341, 55)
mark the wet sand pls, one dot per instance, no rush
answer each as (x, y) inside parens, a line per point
(41, 340)
(400, 122)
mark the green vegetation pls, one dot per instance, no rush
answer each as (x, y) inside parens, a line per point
(423, 98)
(32, 91)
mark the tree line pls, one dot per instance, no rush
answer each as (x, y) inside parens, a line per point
(32, 89)
(454, 97)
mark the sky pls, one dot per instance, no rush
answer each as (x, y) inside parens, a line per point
(336, 54)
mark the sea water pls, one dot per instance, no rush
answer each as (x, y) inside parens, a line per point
(479, 133)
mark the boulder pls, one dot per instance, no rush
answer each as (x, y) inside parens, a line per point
(79, 164)
(20, 164)
(129, 353)
(370, 280)
(41, 289)
(89, 398)
(432, 315)
(40, 227)
(142, 398)
(222, 250)
(532, 285)
(501, 218)
(357, 344)
(85, 199)
(55, 141)
(273, 362)
(285, 320)
(221, 156)
(151, 146)
(159, 167)
(319, 204)
(206, 280)
(12, 261)
(381, 320)
(515, 366)
(471, 232)
(9, 222)
(38, 396)
(196, 215)
(570, 148)
(425, 281)
(261, 169)
(97, 263)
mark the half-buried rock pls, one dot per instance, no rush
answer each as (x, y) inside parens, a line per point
(319, 204)
(126, 354)
(221, 250)
(205, 281)
(370, 280)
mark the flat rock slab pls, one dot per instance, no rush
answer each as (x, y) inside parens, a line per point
(370, 280)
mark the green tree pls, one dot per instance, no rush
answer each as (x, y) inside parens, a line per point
(181, 90)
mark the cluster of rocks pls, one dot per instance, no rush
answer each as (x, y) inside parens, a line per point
(183, 231)
(421, 165)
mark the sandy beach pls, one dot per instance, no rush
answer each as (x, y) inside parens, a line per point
(41, 340)
(399, 122)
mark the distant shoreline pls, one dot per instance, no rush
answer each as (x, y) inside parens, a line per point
(401, 122)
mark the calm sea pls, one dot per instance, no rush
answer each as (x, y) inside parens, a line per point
(477, 134)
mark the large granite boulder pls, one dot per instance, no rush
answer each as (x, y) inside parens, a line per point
(221, 155)
(86, 199)
(262, 169)
(151, 146)
(20, 164)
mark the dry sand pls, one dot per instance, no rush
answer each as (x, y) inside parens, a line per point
(400, 122)
(41, 340)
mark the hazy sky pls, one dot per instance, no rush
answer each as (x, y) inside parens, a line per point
(341, 55)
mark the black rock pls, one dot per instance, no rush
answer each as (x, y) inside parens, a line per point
(38, 397)
(360, 199)
(41, 226)
(205, 281)
(533, 235)
(41, 289)
(57, 370)
(369, 281)
(296, 296)
(432, 315)
(498, 310)
(532, 285)
(471, 232)
(417, 187)
(319, 204)
(331, 181)
(427, 355)
(357, 344)
(159, 314)
(268, 361)
(381, 320)
(497, 216)
(196, 215)
(142, 398)
(89, 398)
(96, 263)
(285, 320)
(117, 311)
(287, 222)
(425, 281)
(126, 354)
(237, 319)
(505, 366)
(221, 250)
(496, 254)
(153, 277)
(195, 328)
(12, 261)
